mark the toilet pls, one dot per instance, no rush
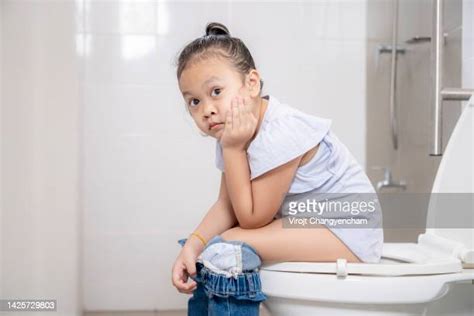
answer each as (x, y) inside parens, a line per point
(433, 276)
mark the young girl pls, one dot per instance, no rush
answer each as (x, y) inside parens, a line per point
(269, 154)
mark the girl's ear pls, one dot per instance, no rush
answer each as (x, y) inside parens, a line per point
(254, 83)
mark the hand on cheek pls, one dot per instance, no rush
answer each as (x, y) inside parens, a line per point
(240, 125)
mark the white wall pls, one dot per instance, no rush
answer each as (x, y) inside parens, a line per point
(40, 227)
(148, 176)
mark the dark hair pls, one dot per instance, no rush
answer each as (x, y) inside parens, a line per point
(217, 42)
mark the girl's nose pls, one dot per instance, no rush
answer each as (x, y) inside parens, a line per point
(209, 109)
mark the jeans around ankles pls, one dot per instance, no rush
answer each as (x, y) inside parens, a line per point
(221, 294)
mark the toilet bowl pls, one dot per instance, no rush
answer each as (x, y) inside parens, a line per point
(433, 276)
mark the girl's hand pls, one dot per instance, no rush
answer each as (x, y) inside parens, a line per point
(185, 266)
(240, 125)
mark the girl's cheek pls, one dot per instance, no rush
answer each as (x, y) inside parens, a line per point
(226, 106)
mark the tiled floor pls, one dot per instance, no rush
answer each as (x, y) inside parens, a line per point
(111, 313)
(263, 312)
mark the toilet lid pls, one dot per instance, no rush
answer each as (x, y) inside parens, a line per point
(450, 217)
(397, 259)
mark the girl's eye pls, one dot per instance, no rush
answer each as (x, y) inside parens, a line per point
(191, 103)
(217, 89)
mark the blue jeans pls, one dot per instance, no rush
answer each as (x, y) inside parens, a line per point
(218, 294)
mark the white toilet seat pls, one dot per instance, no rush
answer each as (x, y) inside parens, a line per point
(397, 259)
(359, 289)
(408, 273)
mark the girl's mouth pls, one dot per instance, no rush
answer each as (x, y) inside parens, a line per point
(215, 126)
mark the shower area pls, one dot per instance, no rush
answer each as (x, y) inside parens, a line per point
(402, 152)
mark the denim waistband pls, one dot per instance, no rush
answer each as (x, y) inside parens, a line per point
(246, 285)
(243, 286)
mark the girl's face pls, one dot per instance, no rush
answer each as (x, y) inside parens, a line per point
(208, 87)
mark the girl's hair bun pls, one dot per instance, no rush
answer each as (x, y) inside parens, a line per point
(215, 28)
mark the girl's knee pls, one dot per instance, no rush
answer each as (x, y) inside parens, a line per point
(231, 233)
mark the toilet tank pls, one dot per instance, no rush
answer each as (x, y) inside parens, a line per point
(450, 211)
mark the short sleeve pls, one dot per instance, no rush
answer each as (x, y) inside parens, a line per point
(284, 139)
(219, 157)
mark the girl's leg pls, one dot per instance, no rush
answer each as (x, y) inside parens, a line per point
(299, 244)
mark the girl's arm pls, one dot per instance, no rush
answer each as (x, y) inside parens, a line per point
(218, 219)
(256, 202)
